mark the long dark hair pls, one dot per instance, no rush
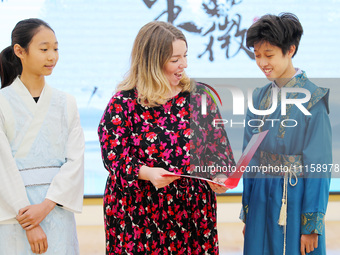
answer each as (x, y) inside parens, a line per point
(22, 34)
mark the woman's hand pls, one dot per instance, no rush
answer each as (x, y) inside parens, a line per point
(31, 216)
(216, 187)
(155, 176)
(37, 239)
(308, 243)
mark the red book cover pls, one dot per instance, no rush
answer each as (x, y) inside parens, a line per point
(241, 165)
(244, 160)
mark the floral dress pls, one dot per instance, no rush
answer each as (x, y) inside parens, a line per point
(181, 217)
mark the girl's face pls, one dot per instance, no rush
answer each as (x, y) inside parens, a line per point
(272, 62)
(174, 68)
(42, 54)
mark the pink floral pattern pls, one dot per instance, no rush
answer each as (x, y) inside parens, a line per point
(140, 219)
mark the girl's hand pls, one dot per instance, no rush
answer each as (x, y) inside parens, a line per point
(155, 176)
(37, 239)
(31, 216)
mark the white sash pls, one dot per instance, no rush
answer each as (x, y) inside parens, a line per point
(38, 175)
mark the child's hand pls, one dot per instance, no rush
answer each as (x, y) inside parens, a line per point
(31, 216)
(37, 239)
(308, 243)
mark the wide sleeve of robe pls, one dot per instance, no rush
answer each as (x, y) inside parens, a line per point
(247, 176)
(317, 157)
(67, 187)
(12, 189)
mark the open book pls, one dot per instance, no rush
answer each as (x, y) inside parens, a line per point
(241, 165)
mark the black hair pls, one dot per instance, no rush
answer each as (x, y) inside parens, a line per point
(282, 31)
(22, 34)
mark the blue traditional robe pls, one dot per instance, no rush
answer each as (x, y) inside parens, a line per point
(308, 143)
(41, 156)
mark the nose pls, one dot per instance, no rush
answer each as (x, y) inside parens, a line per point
(262, 62)
(53, 55)
(183, 64)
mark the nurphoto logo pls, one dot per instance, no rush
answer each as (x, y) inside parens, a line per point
(239, 103)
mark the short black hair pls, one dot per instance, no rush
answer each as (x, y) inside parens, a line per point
(282, 31)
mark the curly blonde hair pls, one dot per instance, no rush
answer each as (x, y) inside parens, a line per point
(152, 49)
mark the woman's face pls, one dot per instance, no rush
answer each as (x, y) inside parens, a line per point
(42, 54)
(174, 68)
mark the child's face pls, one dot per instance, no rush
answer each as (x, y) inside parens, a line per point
(42, 55)
(272, 62)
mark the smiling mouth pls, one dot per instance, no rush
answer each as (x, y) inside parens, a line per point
(267, 71)
(179, 75)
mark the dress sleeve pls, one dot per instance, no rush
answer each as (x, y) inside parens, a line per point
(13, 195)
(115, 134)
(218, 150)
(67, 187)
(317, 159)
(210, 151)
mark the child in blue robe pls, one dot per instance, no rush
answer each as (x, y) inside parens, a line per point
(284, 202)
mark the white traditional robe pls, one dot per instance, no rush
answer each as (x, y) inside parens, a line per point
(41, 156)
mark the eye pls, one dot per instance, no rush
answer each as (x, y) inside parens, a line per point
(269, 56)
(43, 49)
(174, 61)
(56, 49)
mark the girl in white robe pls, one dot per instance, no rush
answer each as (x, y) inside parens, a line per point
(41, 149)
